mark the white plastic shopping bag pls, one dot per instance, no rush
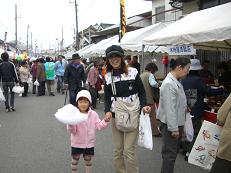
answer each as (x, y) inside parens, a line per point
(36, 83)
(18, 89)
(188, 128)
(29, 81)
(2, 97)
(69, 114)
(204, 150)
(145, 132)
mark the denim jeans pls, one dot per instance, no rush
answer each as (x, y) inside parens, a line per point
(72, 95)
(59, 83)
(6, 86)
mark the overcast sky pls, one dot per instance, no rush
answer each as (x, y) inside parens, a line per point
(46, 17)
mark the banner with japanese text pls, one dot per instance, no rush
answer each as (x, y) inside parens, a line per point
(181, 50)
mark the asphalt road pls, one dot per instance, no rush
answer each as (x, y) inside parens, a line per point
(33, 141)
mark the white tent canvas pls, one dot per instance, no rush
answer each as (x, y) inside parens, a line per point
(132, 40)
(85, 48)
(69, 54)
(209, 28)
(99, 48)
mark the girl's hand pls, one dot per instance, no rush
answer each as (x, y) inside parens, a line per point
(107, 116)
(146, 109)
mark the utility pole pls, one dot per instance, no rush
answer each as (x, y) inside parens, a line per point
(31, 44)
(35, 50)
(76, 27)
(61, 46)
(27, 40)
(5, 45)
(16, 28)
(57, 45)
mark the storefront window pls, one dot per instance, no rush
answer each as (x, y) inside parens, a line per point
(211, 3)
(160, 17)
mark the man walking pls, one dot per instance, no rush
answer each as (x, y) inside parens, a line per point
(8, 76)
(59, 71)
(74, 77)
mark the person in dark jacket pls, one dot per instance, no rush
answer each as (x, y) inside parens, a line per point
(195, 91)
(41, 77)
(9, 77)
(74, 77)
(135, 63)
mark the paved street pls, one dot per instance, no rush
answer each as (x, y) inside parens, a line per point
(33, 141)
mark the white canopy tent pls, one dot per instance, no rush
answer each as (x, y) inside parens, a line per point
(99, 48)
(69, 54)
(80, 52)
(205, 29)
(132, 41)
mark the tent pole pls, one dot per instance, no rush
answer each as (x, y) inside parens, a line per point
(142, 67)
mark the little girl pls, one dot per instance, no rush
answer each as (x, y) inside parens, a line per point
(83, 135)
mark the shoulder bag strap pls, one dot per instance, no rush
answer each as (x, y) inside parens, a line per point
(113, 86)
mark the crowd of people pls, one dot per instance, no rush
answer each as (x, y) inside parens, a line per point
(127, 91)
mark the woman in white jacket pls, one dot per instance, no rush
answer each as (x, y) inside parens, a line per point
(171, 111)
(24, 76)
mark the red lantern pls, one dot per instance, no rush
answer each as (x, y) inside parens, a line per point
(165, 60)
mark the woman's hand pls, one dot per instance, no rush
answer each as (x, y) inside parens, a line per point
(146, 109)
(175, 134)
(107, 116)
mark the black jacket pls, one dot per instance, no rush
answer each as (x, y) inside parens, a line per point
(124, 88)
(195, 91)
(8, 72)
(74, 77)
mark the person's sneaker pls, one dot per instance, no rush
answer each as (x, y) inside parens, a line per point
(12, 109)
(7, 109)
(157, 135)
(51, 94)
(186, 156)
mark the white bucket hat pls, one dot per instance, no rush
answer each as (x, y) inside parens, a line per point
(195, 64)
(84, 93)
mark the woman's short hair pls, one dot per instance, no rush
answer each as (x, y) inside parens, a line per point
(151, 67)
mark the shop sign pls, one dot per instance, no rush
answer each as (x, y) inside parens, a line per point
(181, 50)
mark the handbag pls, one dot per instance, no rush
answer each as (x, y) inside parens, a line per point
(204, 150)
(145, 132)
(98, 84)
(126, 113)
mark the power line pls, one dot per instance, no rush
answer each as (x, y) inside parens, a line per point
(7, 28)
